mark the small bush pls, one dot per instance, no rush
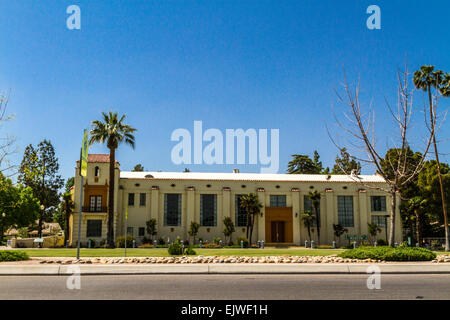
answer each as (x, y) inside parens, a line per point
(244, 239)
(175, 249)
(120, 242)
(389, 254)
(190, 252)
(217, 240)
(382, 242)
(211, 246)
(13, 255)
(161, 241)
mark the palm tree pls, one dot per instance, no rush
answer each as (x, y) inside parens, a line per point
(112, 131)
(67, 207)
(315, 202)
(424, 79)
(308, 219)
(252, 206)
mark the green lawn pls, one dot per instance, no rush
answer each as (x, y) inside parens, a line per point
(162, 252)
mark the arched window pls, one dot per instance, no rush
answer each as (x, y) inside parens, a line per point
(97, 171)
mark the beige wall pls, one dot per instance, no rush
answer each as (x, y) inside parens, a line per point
(190, 206)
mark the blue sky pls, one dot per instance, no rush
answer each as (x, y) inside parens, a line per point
(230, 64)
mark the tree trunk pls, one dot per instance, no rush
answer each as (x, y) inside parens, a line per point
(66, 231)
(252, 222)
(248, 225)
(309, 233)
(40, 228)
(441, 185)
(110, 234)
(318, 225)
(418, 226)
(392, 229)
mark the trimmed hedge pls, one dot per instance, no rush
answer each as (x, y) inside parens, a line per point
(13, 255)
(389, 254)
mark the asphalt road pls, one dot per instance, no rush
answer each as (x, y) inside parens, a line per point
(238, 287)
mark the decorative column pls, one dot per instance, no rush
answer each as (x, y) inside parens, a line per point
(154, 213)
(330, 212)
(363, 218)
(261, 219)
(190, 208)
(226, 204)
(296, 215)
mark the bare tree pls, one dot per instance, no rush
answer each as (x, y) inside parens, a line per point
(359, 127)
(7, 141)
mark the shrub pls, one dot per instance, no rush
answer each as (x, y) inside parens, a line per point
(210, 246)
(217, 240)
(13, 255)
(389, 254)
(190, 252)
(244, 239)
(145, 245)
(176, 249)
(161, 241)
(120, 242)
(382, 242)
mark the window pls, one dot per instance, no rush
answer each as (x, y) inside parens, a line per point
(131, 199)
(96, 171)
(172, 209)
(142, 199)
(241, 215)
(345, 211)
(94, 228)
(208, 210)
(130, 231)
(380, 221)
(378, 203)
(309, 207)
(95, 203)
(141, 231)
(278, 201)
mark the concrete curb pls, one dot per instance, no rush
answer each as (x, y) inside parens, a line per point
(134, 269)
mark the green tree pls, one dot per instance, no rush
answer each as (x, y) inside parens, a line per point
(111, 131)
(229, 229)
(308, 220)
(302, 164)
(151, 227)
(338, 231)
(315, 201)
(345, 164)
(138, 168)
(69, 184)
(67, 207)
(373, 230)
(18, 206)
(39, 171)
(417, 207)
(250, 203)
(193, 230)
(426, 79)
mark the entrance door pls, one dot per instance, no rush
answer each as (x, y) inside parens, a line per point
(277, 228)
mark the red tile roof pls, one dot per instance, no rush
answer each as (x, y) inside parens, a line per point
(93, 157)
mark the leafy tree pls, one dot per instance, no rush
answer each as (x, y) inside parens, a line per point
(345, 164)
(193, 231)
(416, 207)
(138, 168)
(315, 201)
(18, 206)
(151, 227)
(250, 203)
(67, 207)
(229, 229)
(373, 230)
(111, 131)
(69, 184)
(302, 164)
(339, 230)
(426, 79)
(39, 171)
(308, 220)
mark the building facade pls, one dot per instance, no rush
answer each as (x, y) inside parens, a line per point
(175, 199)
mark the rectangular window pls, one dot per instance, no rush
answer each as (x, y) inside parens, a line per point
(95, 203)
(278, 201)
(380, 221)
(130, 231)
(142, 198)
(172, 209)
(345, 211)
(378, 203)
(309, 207)
(141, 231)
(131, 199)
(94, 228)
(241, 215)
(208, 210)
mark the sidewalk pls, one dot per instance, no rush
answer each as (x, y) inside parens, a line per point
(63, 270)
